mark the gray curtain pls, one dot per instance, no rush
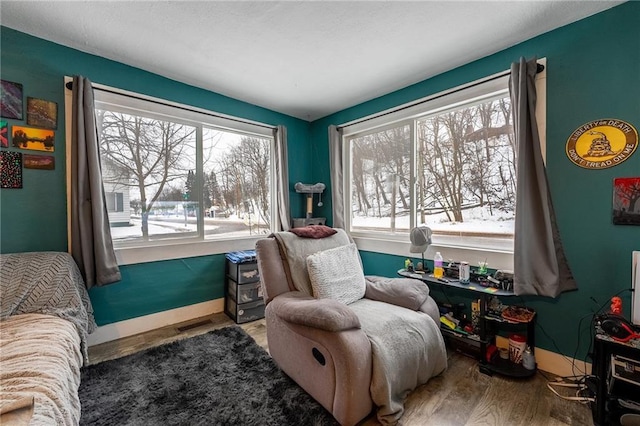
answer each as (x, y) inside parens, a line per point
(91, 244)
(540, 265)
(337, 177)
(282, 177)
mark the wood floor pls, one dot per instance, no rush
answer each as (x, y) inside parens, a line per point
(460, 396)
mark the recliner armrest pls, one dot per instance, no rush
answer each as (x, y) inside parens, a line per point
(405, 292)
(324, 314)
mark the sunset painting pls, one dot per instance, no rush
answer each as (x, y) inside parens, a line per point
(31, 138)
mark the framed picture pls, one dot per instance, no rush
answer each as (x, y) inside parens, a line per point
(41, 113)
(11, 99)
(626, 201)
(4, 134)
(10, 169)
(42, 162)
(32, 138)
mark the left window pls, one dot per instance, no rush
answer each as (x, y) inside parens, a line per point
(174, 175)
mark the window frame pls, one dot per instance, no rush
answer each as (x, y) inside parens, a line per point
(148, 106)
(397, 243)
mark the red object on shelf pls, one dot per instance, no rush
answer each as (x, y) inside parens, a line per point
(616, 305)
(492, 353)
(517, 345)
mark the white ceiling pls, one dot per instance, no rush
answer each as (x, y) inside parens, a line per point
(307, 59)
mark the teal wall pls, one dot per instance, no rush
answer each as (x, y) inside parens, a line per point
(593, 72)
(34, 218)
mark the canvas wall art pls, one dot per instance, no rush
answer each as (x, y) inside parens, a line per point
(10, 169)
(42, 162)
(626, 201)
(41, 113)
(11, 99)
(4, 134)
(32, 138)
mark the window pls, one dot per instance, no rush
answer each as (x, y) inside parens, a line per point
(178, 175)
(447, 162)
(114, 201)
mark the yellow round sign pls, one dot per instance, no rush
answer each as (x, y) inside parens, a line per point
(601, 144)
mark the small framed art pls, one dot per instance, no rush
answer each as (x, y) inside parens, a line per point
(626, 201)
(41, 113)
(32, 138)
(4, 134)
(42, 162)
(11, 99)
(10, 169)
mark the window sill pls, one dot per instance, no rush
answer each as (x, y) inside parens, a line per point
(496, 259)
(180, 250)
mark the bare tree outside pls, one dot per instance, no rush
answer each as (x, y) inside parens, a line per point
(176, 175)
(237, 172)
(465, 169)
(145, 155)
(381, 176)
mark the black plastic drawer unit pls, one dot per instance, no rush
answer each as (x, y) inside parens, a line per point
(244, 312)
(243, 291)
(243, 273)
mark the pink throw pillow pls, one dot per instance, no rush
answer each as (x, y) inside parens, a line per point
(313, 231)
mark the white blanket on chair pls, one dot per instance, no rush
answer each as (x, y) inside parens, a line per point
(408, 350)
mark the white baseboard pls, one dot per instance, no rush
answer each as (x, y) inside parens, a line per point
(551, 362)
(561, 365)
(146, 323)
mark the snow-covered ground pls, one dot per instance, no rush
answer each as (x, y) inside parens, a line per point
(475, 221)
(176, 224)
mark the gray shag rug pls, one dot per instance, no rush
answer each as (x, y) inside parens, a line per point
(219, 378)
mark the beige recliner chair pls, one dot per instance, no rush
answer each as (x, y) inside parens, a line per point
(352, 347)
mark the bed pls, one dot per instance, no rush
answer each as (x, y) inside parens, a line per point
(45, 318)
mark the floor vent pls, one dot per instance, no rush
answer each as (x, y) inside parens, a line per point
(194, 325)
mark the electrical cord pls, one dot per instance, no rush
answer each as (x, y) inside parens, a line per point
(583, 393)
(555, 345)
(575, 353)
(580, 387)
(575, 381)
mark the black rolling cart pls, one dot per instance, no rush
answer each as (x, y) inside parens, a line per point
(243, 300)
(488, 325)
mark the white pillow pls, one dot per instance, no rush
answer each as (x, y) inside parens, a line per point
(337, 274)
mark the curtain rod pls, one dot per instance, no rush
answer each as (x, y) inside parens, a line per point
(539, 69)
(69, 85)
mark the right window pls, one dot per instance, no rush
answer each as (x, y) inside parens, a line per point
(448, 162)
(466, 180)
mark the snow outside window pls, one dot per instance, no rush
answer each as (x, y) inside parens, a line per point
(448, 163)
(180, 181)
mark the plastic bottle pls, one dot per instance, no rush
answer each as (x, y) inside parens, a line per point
(438, 271)
(528, 359)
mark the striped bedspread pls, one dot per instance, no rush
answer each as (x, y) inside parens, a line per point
(40, 356)
(46, 283)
